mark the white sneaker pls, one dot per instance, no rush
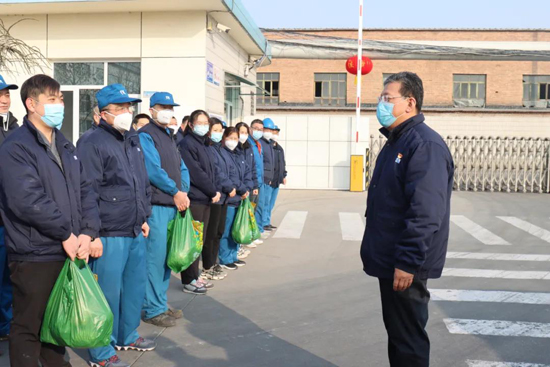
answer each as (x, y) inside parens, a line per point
(258, 242)
(250, 245)
(243, 254)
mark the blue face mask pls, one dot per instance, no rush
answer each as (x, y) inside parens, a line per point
(216, 137)
(257, 135)
(53, 115)
(201, 130)
(384, 113)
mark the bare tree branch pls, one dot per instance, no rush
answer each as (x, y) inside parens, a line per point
(16, 53)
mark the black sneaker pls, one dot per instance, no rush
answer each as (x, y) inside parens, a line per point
(240, 263)
(162, 320)
(268, 229)
(229, 266)
(272, 226)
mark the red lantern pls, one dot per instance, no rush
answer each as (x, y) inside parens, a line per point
(352, 67)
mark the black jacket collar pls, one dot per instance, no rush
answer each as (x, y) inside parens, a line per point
(396, 133)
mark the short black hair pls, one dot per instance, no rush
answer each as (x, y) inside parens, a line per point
(257, 121)
(213, 121)
(140, 116)
(193, 118)
(241, 124)
(185, 119)
(411, 86)
(37, 85)
(230, 130)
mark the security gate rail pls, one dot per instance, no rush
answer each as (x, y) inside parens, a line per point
(490, 164)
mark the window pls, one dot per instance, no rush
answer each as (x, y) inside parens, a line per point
(469, 90)
(80, 73)
(80, 81)
(269, 82)
(126, 73)
(330, 90)
(536, 91)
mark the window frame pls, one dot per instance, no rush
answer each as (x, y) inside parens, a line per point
(271, 100)
(466, 85)
(342, 83)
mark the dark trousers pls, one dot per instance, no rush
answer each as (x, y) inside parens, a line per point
(32, 284)
(405, 317)
(201, 213)
(214, 233)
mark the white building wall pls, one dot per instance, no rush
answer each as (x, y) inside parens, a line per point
(173, 48)
(228, 56)
(318, 146)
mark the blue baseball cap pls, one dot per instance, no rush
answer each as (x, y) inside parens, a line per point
(224, 124)
(162, 98)
(277, 128)
(269, 124)
(3, 84)
(113, 94)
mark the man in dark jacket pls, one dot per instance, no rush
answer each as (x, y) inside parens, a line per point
(408, 210)
(9, 124)
(279, 173)
(114, 163)
(49, 211)
(169, 179)
(266, 190)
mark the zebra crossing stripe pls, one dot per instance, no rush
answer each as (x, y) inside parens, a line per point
(352, 226)
(478, 232)
(473, 363)
(497, 328)
(292, 225)
(496, 256)
(459, 295)
(536, 231)
(500, 274)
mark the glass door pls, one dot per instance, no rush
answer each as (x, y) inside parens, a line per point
(71, 116)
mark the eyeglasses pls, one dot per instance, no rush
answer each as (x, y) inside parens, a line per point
(388, 98)
(121, 110)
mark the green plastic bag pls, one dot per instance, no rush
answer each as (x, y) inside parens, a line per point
(242, 228)
(77, 314)
(185, 240)
(256, 234)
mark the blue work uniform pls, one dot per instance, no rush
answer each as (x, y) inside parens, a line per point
(115, 166)
(168, 175)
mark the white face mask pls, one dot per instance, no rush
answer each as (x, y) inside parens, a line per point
(123, 122)
(275, 137)
(174, 128)
(243, 138)
(231, 144)
(267, 135)
(164, 116)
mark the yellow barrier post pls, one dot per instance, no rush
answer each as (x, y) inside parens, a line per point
(357, 173)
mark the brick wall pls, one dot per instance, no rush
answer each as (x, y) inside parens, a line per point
(504, 78)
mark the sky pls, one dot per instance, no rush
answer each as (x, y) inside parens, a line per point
(400, 13)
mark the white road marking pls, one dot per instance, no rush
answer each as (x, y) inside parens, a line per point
(352, 226)
(496, 256)
(459, 295)
(497, 328)
(528, 227)
(500, 274)
(478, 232)
(473, 363)
(292, 225)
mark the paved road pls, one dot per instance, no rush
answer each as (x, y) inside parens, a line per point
(303, 299)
